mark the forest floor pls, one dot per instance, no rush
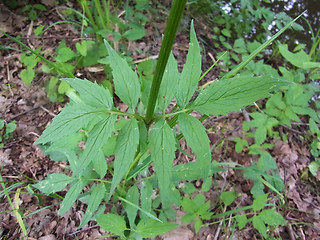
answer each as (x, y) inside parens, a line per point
(25, 163)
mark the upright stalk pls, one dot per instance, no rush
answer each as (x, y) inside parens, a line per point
(100, 13)
(87, 11)
(169, 36)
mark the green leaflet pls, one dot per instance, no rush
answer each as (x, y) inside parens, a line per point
(97, 137)
(146, 69)
(169, 81)
(259, 202)
(126, 82)
(143, 136)
(152, 228)
(191, 72)
(27, 75)
(197, 139)
(162, 146)
(139, 208)
(112, 223)
(125, 150)
(242, 221)
(96, 195)
(69, 142)
(71, 196)
(54, 182)
(72, 158)
(100, 164)
(228, 95)
(298, 59)
(146, 201)
(91, 93)
(259, 225)
(70, 120)
(133, 197)
(271, 217)
(264, 125)
(228, 197)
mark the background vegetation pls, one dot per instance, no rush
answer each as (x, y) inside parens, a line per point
(153, 166)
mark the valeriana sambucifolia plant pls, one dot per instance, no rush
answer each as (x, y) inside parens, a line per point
(143, 135)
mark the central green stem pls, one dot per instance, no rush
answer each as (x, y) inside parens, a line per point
(169, 36)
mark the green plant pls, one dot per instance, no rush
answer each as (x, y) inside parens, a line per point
(98, 20)
(101, 21)
(33, 9)
(14, 205)
(6, 130)
(262, 218)
(197, 210)
(30, 61)
(139, 137)
(291, 104)
(239, 19)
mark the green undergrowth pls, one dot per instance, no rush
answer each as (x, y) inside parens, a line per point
(98, 19)
(6, 130)
(142, 184)
(144, 140)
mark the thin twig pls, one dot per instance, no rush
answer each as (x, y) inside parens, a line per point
(303, 124)
(247, 118)
(22, 113)
(302, 234)
(83, 230)
(211, 56)
(290, 232)
(29, 34)
(292, 130)
(48, 111)
(27, 111)
(145, 59)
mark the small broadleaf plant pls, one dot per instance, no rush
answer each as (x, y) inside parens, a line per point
(143, 148)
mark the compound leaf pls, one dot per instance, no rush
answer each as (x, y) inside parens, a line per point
(54, 182)
(92, 93)
(195, 133)
(191, 71)
(112, 223)
(70, 120)
(152, 228)
(162, 146)
(125, 150)
(228, 95)
(71, 196)
(126, 82)
(97, 137)
(96, 195)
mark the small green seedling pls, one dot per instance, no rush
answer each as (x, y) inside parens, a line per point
(33, 9)
(6, 131)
